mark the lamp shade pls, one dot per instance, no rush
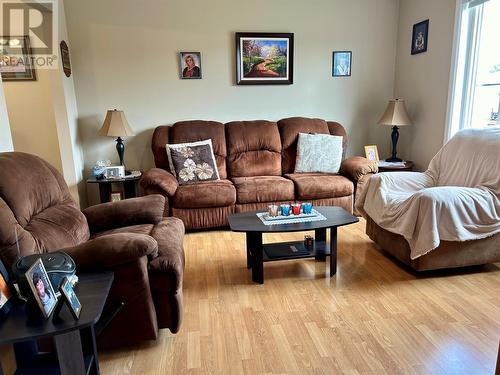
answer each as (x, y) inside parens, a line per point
(115, 125)
(395, 114)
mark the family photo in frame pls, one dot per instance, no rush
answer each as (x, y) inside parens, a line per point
(42, 290)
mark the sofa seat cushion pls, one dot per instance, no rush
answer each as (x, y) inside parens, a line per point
(263, 189)
(219, 193)
(320, 185)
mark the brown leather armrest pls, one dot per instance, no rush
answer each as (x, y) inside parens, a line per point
(158, 178)
(358, 166)
(142, 210)
(107, 252)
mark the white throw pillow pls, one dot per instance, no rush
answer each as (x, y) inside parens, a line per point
(318, 153)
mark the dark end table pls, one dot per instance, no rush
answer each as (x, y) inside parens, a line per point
(75, 340)
(129, 187)
(258, 253)
(408, 167)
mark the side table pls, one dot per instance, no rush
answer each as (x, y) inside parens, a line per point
(129, 187)
(408, 167)
(75, 340)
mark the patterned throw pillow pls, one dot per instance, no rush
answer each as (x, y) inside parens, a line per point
(192, 162)
(318, 153)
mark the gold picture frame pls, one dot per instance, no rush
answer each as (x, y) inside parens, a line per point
(371, 153)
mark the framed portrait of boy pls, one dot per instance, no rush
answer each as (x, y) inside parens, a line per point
(41, 288)
(420, 37)
(190, 65)
(70, 298)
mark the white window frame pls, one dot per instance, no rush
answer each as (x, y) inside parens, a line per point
(462, 78)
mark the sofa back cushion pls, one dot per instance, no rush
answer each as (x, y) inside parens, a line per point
(254, 148)
(35, 200)
(191, 131)
(289, 130)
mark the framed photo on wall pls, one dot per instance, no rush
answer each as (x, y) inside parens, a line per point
(264, 58)
(420, 37)
(341, 63)
(190, 65)
(15, 59)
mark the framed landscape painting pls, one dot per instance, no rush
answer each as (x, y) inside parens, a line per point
(264, 58)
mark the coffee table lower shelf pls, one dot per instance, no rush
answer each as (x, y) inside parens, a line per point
(294, 250)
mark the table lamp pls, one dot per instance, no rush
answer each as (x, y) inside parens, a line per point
(116, 125)
(395, 115)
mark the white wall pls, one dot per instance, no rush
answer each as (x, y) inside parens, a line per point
(423, 79)
(124, 55)
(6, 144)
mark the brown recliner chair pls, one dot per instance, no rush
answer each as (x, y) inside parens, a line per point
(130, 238)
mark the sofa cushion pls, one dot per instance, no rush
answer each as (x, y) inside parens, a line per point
(205, 194)
(318, 153)
(289, 130)
(192, 162)
(198, 130)
(254, 149)
(263, 189)
(319, 185)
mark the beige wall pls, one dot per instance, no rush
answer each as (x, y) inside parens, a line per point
(423, 79)
(124, 55)
(32, 120)
(5, 134)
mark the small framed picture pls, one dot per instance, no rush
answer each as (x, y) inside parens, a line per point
(371, 153)
(341, 63)
(420, 37)
(15, 59)
(190, 65)
(116, 171)
(70, 298)
(41, 287)
(115, 196)
(5, 292)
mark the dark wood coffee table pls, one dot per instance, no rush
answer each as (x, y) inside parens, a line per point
(258, 253)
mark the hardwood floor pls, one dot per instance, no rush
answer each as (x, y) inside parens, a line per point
(373, 317)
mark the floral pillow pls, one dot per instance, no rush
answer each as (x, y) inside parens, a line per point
(192, 162)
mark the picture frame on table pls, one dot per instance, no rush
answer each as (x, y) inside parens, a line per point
(115, 172)
(190, 65)
(42, 289)
(15, 59)
(420, 37)
(264, 58)
(70, 298)
(341, 63)
(6, 292)
(371, 153)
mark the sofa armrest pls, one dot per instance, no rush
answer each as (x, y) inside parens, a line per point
(142, 210)
(172, 265)
(159, 179)
(109, 251)
(357, 167)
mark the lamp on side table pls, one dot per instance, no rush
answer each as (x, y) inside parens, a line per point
(116, 125)
(395, 115)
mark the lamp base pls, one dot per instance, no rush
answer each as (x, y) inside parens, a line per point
(393, 160)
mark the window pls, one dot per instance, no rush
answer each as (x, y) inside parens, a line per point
(475, 80)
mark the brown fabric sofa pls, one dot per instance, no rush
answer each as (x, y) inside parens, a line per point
(130, 238)
(256, 161)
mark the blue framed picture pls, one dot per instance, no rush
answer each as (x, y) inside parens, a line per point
(341, 63)
(420, 37)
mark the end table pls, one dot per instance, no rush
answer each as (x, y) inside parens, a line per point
(129, 186)
(408, 167)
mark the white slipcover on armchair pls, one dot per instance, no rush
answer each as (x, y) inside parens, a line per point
(456, 199)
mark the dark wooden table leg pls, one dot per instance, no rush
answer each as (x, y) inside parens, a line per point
(320, 235)
(90, 348)
(129, 189)
(70, 353)
(254, 242)
(333, 251)
(249, 250)
(104, 191)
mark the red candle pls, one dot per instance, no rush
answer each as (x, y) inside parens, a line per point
(296, 209)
